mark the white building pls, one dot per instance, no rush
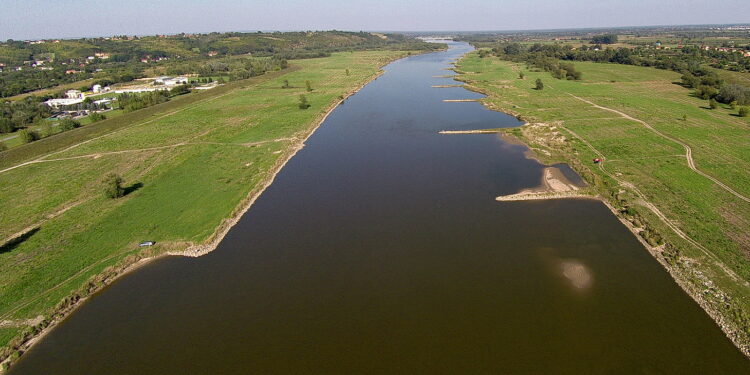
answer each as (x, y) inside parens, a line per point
(169, 81)
(96, 89)
(56, 103)
(74, 94)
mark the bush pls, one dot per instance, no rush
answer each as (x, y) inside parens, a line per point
(712, 104)
(28, 136)
(3, 147)
(539, 84)
(96, 116)
(179, 90)
(706, 92)
(743, 112)
(113, 186)
(303, 103)
(69, 124)
(308, 85)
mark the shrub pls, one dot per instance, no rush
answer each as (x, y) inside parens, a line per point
(712, 104)
(113, 186)
(69, 124)
(706, 92)
(303, 103)
(28, 136)
(308, 85)
(743, 112)
(539, 84)
(96, 116)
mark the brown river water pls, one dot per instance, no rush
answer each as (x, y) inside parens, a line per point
(380, 249)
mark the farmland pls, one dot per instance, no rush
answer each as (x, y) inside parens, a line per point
(187, 165)
(645, 126)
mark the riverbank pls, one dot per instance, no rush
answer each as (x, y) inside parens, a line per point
(279, 149)
(717, 284)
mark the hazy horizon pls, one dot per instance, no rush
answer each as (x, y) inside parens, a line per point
(46, 19)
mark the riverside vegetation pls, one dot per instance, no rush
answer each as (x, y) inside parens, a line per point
(674, 170)
(187, 165)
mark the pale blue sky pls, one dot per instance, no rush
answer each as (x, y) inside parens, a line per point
(30, 19)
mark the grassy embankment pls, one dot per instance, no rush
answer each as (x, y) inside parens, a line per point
(706, 228)
(197, 157)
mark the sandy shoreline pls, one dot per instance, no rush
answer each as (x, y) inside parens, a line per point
(219, 233)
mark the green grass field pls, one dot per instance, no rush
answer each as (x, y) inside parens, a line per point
(196, 160)
(655, 165)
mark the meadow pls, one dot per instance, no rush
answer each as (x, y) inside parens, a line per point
(702, 235)
(187, 165)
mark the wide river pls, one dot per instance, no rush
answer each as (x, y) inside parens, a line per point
(380, 249)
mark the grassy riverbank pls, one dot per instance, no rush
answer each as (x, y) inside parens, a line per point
(187, 170)
(646, 128)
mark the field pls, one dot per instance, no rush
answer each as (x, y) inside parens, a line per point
(187, 165)
(643, 124)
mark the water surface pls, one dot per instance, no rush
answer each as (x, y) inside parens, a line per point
(380, 249)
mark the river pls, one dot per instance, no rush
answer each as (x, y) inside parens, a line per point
(380, 249)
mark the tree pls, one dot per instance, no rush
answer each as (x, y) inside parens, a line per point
(303, 103)
(520, 75)
(286, 84)
(179, 90)
(6, 126)
(743, 112)
(539, 84)
(308, 85)
(113, 186)
(684, 117)
(712, 104)
(604, 39)
(347, 71)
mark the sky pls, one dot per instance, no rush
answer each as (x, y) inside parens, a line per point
(37, 19)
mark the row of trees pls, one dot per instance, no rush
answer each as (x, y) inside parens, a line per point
(706, 82)
(21, 113)
(537, 58)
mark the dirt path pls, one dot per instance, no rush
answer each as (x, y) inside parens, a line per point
(644, 202)
(43, 157)
(688, 150)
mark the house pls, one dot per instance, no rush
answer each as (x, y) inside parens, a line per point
(96, 89)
